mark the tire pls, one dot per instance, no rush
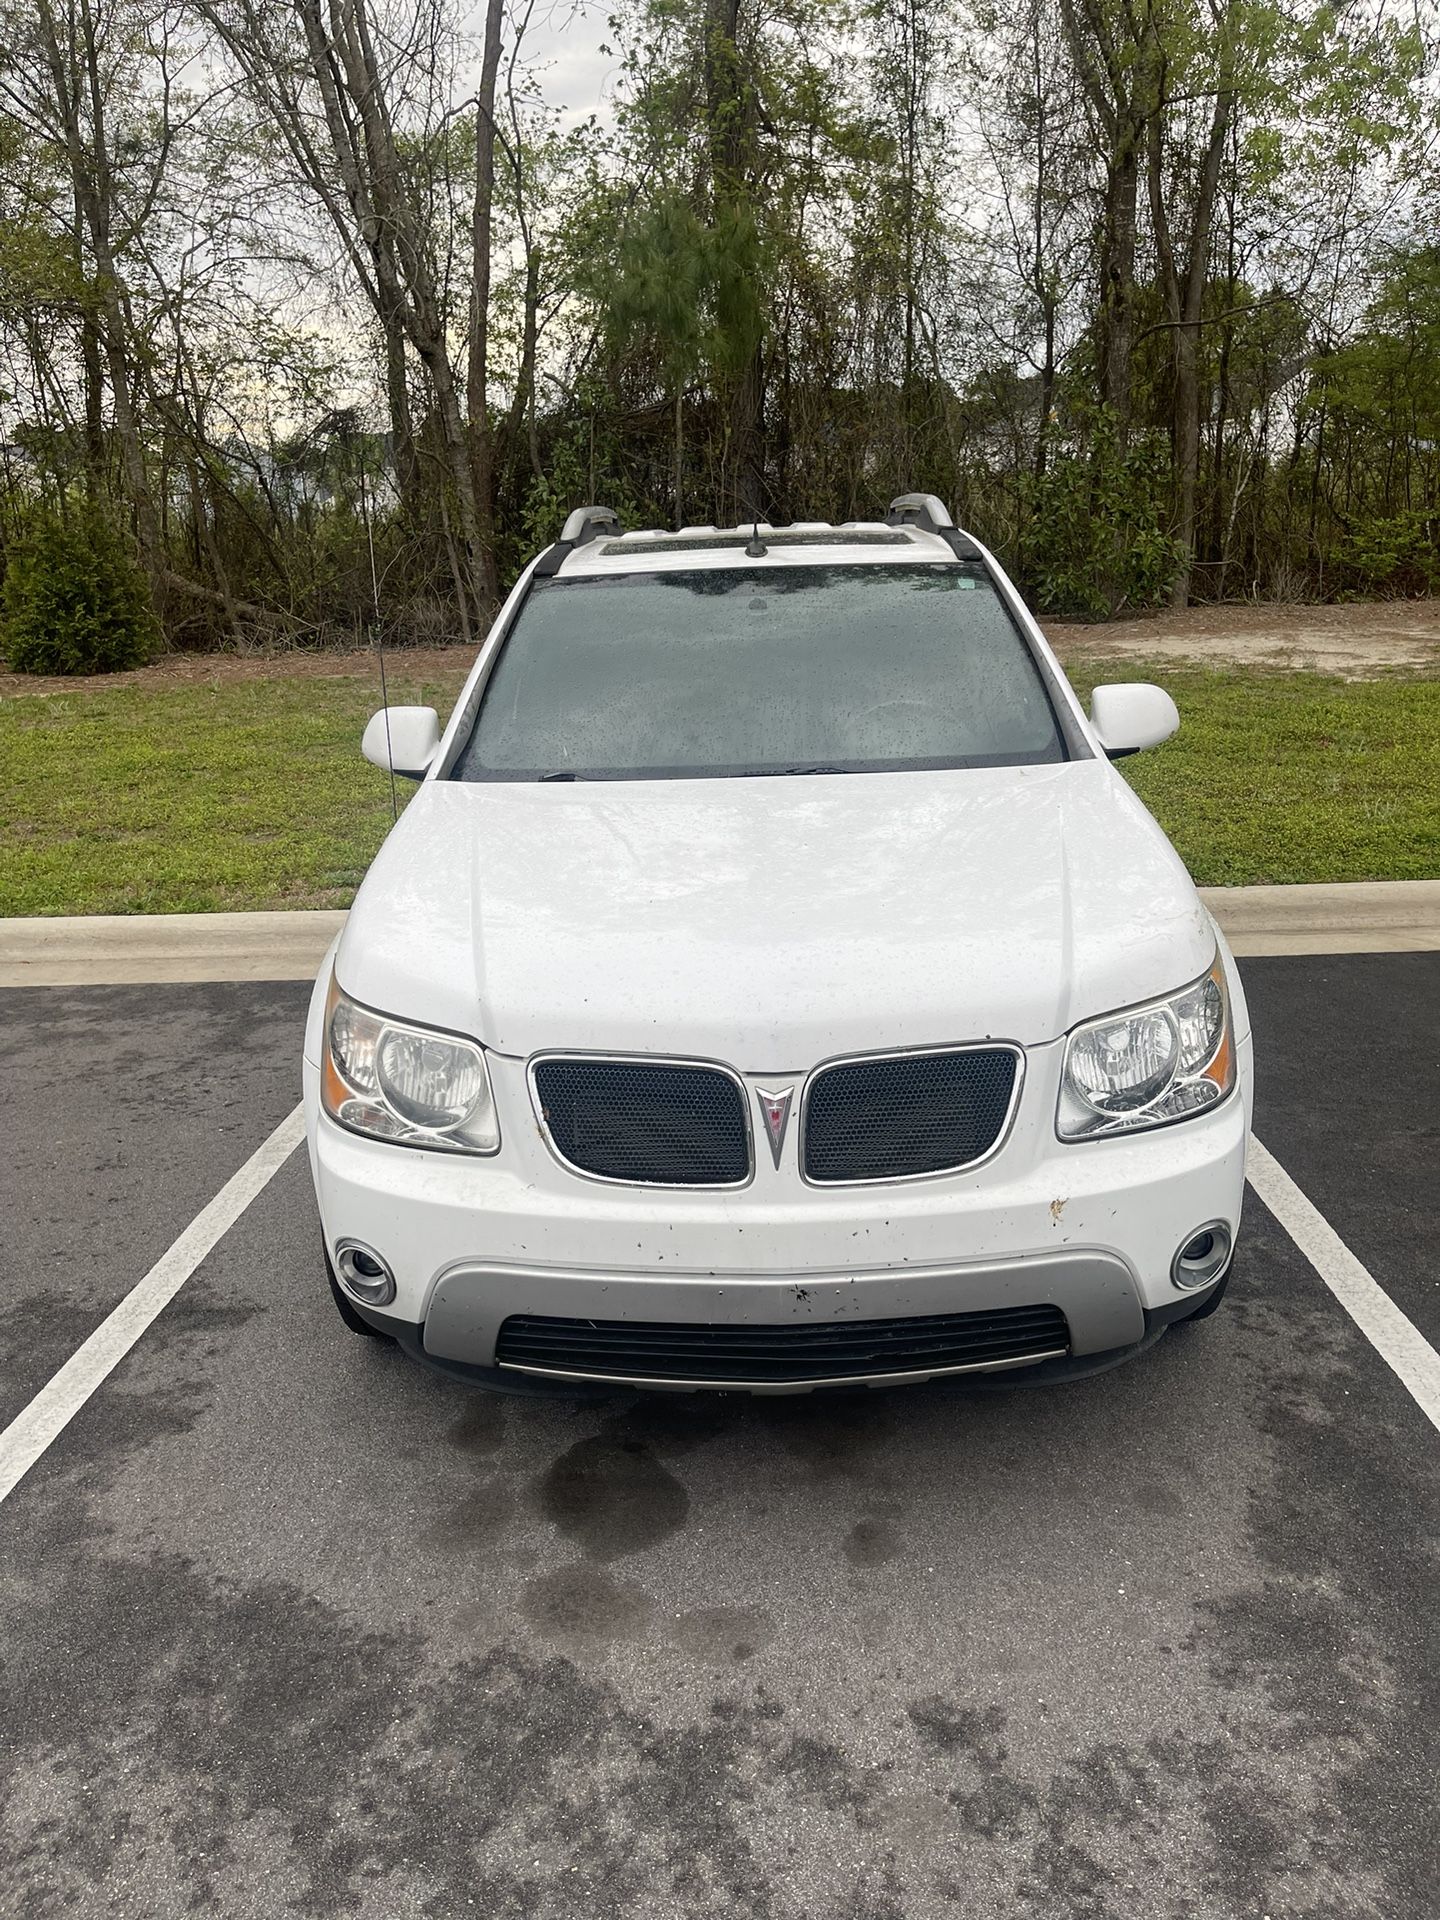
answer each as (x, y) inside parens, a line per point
(1207, 1306)
(345, 1307)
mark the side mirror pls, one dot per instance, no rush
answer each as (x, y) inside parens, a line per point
(402, 739)
(1131, 716)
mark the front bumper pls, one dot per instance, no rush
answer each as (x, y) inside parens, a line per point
(1091, 1227)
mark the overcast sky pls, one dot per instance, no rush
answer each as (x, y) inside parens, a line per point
(562, 49)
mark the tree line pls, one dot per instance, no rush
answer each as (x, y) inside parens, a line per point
(321, 313)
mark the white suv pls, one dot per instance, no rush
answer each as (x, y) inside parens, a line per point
(772, 985)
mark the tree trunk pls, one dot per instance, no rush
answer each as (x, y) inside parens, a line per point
(207, 549)
(478, 369)
(1187, 456)
(1047, 390)
(730, 112)
(76, 67)
(1185, 302)
(343, 63)
(1111, 67)
(1039, 262)
(1117, 281)
(521, 417)
(747, 465)
(397, 396)
(94, 379)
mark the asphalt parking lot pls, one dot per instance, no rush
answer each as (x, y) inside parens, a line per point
(289, 1626)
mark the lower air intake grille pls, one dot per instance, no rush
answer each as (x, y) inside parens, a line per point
(829, 1350)
(907, 1114)
(650, 1122)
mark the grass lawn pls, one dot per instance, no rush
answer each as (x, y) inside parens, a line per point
(253, 793)
(194, 798)
(1287, 777)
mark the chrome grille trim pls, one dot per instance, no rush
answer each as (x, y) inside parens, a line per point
(806, 1385)
(782, 1355)
(912, 1053)
(607, 1058)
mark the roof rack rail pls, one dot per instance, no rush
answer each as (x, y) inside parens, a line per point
(925, 510)
(581, 526)
(588, 523)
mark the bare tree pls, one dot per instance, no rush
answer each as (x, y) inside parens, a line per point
(1183, 258)
(62, 80)
(325, 92)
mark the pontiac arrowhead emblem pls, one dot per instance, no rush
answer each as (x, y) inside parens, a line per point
(775, 1112)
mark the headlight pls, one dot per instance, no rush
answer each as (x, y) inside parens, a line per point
(1149, 1065)
(398, 1082)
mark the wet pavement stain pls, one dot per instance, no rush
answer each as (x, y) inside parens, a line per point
(722, 1636)
(1157, 1499)
(832, 1439)
(482, 1427)
(612, 1497)
(264, 1753)
(677, 1424)
(297, 1760)
(872, 1543)
(955, 1729)
(479, 1519)
(583, 1607)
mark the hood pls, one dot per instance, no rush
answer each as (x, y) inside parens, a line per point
(773, 922)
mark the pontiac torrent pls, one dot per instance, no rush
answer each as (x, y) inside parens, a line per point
(773, 985)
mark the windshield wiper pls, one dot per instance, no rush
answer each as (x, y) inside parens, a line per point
(560, 776)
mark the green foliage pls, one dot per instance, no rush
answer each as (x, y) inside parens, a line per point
(808, 258)
(190, 800)
(581, 465)
(662, 289)
(1283, 778)
(75, 601)
(1380, 394)
(1393, 555)
(1096, 540)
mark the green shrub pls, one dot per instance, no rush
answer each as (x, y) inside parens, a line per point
(76, 602)
(1096, 539)
(1397, 555)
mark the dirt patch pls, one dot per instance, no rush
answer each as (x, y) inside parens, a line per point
(1354, 642)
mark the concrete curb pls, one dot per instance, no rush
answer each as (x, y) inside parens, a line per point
(104, 949)
(1363, 916)
(1379, 916)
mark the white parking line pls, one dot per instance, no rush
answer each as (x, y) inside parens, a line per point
(61, 1398)
(1397, 1340)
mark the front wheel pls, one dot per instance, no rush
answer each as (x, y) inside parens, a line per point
(345, 1307)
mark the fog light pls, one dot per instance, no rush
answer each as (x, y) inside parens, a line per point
(1202, 1257)
(363, 1273)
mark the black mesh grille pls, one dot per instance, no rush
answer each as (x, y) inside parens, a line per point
(772, 1356)
(894, 1118)
(661, 1125)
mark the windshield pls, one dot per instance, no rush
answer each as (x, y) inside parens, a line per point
(716, 672)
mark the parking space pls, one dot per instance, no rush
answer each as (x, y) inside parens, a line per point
(288, 1625)
(1349, 1104)
(123, 1109)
